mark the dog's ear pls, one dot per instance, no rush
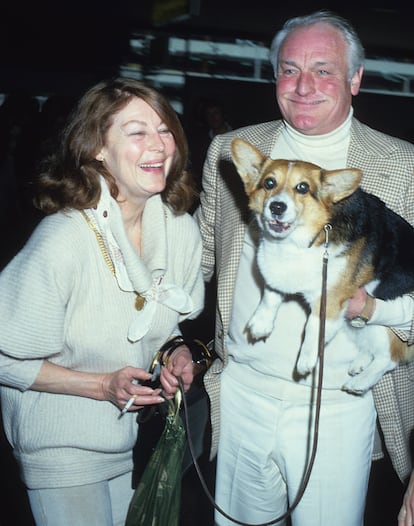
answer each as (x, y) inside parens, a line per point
(338, 184)
(248, 161)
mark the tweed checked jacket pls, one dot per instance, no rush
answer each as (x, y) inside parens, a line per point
(388, 172)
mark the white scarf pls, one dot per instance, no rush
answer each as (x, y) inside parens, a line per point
(144, 275)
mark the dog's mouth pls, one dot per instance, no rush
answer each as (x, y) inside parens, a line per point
(278, 226)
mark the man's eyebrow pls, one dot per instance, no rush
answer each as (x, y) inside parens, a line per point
(318, 63)
(287, 62)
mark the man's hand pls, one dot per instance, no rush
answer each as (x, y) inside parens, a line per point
(357, 303)
(406, 515)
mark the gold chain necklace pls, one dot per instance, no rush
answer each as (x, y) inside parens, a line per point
(140, 300)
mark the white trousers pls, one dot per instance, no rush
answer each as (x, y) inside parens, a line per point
(264, 448)
(101, 504)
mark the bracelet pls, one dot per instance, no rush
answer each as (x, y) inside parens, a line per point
(169, 347)
(200, 353)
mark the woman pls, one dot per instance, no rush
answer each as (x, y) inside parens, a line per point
(103, 282)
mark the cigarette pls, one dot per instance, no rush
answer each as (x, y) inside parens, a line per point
(129, 403)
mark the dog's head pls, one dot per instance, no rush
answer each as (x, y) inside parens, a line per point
(291, 198)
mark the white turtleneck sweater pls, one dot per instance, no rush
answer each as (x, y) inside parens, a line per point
(329, 150)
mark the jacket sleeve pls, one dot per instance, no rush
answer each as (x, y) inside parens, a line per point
(206, 212)
(409, 216)
(388, 166)
(407, 211)
(407, 336)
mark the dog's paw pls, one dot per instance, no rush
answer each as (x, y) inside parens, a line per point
(308, 356)
(306, 362)
(361, 362)
(369, 376)
(359, 385)
(260, 325)
(259, 329)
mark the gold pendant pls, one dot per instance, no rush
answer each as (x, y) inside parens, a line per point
(139, 302)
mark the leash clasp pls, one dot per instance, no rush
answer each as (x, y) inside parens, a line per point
(327, 228)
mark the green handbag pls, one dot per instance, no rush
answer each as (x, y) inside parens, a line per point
(156, 500)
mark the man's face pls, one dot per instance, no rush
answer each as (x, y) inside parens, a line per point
(313, 90)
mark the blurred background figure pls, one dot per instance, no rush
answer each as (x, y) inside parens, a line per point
(210, 119)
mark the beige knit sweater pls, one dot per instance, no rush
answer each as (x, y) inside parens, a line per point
(59, 301)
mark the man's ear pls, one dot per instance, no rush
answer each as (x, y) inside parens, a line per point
(356, 80)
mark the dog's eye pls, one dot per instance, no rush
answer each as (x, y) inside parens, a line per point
(269, 183)
(302, 188)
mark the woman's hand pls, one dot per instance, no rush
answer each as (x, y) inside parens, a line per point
(406, 515)
(179, 364)
(118, 387)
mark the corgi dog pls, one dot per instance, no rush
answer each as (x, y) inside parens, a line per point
(304, 211)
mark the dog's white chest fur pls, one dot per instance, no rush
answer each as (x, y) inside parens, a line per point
(290, 269)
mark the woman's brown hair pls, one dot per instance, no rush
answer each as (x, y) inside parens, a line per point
(70, 177)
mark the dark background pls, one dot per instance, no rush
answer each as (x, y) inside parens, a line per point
(63, 47)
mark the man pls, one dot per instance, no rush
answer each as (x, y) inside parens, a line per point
(263, 411)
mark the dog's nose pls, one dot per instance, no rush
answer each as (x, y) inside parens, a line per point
(277, 208)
